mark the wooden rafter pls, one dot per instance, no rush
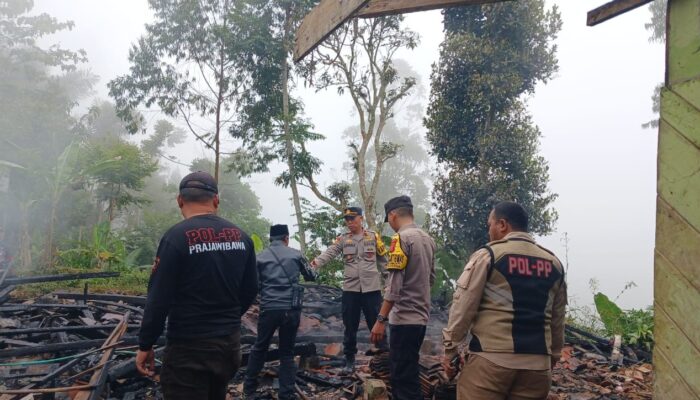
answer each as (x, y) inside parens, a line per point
(325, 18)
(378, 8)
(613, 9)
(328, 15)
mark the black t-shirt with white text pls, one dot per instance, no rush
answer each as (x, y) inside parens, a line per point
(203, 279)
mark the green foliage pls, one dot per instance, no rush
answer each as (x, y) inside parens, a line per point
(131, 281)
(478, 126)
(635, 326)
(144, 237)
(609, 312)
(657, 25)
(238, 203)
(40, 88)
(257, 243)
(117, 170)
(358, 60)
(104, 250)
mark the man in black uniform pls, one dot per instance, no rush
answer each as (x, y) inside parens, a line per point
(280, 305)
(203, 279)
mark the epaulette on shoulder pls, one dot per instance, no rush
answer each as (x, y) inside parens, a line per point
(495, 242)
(492, 256)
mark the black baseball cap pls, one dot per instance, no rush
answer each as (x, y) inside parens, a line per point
(396, 202)
(279, 230)
(199, 180)
(352, 212)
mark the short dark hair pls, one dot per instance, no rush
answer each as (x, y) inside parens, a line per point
(513, 213)
(403, 211)
(196, 195)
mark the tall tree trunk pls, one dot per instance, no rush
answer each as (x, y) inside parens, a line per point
(49, 250)
(288, 136)
(219, 101)
(25, 239)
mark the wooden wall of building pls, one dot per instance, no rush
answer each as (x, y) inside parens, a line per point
(677, 255)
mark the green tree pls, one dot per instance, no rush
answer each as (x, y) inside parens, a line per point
(408, 172)
(188, 64)
(657, 28)
(237, 201)
(478, 125)
(39, 88)
(117, 171)
(657, 25)
(358, 58)
(272, 125)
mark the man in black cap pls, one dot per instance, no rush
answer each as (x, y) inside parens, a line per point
(279, 267)
(363, 254)
(406, 304)
(203, 280)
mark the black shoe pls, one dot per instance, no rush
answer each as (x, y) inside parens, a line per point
(349, 367)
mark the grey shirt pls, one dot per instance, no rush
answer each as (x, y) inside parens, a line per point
(363, 258)
(277, 278)
(409, 286)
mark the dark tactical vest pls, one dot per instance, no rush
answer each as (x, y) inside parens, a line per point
(516, 308)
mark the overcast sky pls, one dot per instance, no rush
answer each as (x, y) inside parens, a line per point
(602, 163)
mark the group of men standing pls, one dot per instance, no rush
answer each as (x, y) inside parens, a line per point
(511, 297)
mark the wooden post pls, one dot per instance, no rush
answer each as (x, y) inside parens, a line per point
(677, 253)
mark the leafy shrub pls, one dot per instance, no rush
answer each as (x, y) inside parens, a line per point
(635, 326)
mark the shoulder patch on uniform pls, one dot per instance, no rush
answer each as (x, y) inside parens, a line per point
(381, 248)
(397, 258)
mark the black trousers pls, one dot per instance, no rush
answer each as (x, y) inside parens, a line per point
(404, 349)
(287, 321)
(353, 303)
(200, 368)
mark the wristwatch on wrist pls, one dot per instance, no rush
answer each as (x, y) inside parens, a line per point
(382, 318)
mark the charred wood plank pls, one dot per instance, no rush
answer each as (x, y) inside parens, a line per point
(59, 347)
(5, 293)
(55, 278)
(138, 310)
(613, 9)
(133, 300)
(128, 367)
(14, 342)
(23, 307)
(67, 329)
(99, 379)
(49, 390)
(55, 373)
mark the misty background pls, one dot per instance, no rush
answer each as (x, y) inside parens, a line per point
(602, 162)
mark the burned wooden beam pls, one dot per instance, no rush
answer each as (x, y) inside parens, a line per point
(99, 379)
(24, 307)
(128, 367)
(52, 375)
(48, 390)
(59, 347)
(613, 9)
(67, 329)
(56, 278)
(5, 293)
(133, 300)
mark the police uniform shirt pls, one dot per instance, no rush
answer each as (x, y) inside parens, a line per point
(411, 269)
(363, 257)
(473, 286)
